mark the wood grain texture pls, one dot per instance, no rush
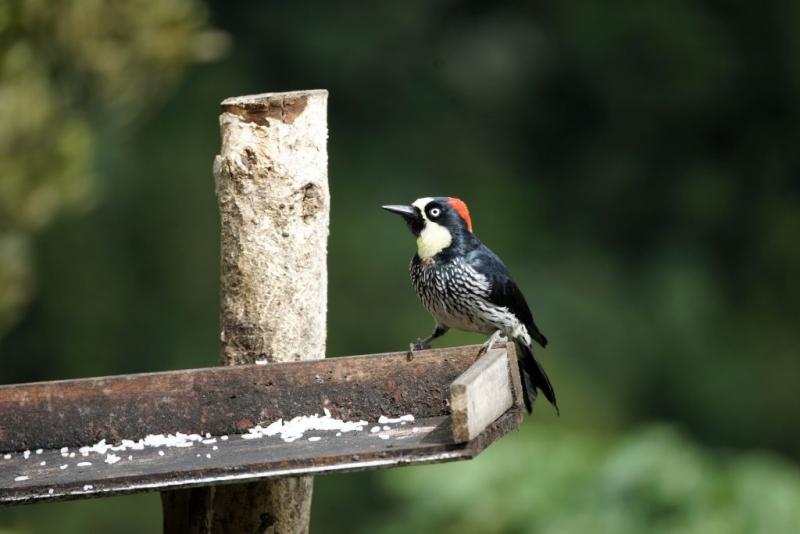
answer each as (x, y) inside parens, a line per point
(480, 395)
(513, 371)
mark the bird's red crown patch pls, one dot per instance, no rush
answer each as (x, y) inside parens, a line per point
(461, 208)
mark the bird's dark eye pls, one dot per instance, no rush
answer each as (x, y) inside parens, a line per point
(435, 212)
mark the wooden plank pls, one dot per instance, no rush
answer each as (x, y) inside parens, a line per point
(234, 399)
(480, 395)
(238, 460)
(229, 400)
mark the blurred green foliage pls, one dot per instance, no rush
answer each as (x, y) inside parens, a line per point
(67, 68)
(561, 482)
(635, 164)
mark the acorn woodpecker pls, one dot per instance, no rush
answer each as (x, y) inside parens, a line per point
(465, 286)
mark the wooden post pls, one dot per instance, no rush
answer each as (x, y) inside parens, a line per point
(272, 189)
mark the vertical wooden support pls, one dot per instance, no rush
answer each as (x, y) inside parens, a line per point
(272, 189)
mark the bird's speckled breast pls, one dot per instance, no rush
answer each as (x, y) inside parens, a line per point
(455, 295)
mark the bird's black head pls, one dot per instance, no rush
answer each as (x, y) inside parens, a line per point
(436, 222)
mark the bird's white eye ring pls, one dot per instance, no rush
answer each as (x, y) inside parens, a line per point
(435, 212)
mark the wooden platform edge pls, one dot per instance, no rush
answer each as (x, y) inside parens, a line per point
(226, 400)
(440, 453)
(424, 384)
(481, 394)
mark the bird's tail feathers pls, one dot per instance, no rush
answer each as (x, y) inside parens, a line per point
(529, 392)
(533, 376)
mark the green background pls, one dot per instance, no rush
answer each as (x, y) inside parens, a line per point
(635, 164)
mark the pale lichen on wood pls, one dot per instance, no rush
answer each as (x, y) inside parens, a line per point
(272, 189)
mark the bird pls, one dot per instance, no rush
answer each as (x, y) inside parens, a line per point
(465, 286)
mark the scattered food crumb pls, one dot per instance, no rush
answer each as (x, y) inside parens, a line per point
(21, 478)
(289, 431)
(295, 428)
(408, 417)
(214, 448)
(7, 456)
(42, 463)
(26, 454)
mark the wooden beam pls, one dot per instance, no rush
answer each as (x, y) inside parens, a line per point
(238, 461)
(229, 401)
(226, 400)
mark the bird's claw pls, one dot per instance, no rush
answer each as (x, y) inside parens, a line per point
(421, 344)
(496, 338)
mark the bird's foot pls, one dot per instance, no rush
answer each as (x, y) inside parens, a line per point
(497, 337)
(421, 344)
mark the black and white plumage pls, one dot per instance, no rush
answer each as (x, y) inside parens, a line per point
(465, 286)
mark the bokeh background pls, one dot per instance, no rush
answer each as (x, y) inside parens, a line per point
(634, 163)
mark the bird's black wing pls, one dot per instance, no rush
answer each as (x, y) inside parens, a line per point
(504, 291)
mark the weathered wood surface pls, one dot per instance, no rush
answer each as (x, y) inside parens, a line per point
(271, 180)
(226, 400)
(484, 392)
(238, 460)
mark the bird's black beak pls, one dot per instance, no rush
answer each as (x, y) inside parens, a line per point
(411, 214)
(405, 211)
